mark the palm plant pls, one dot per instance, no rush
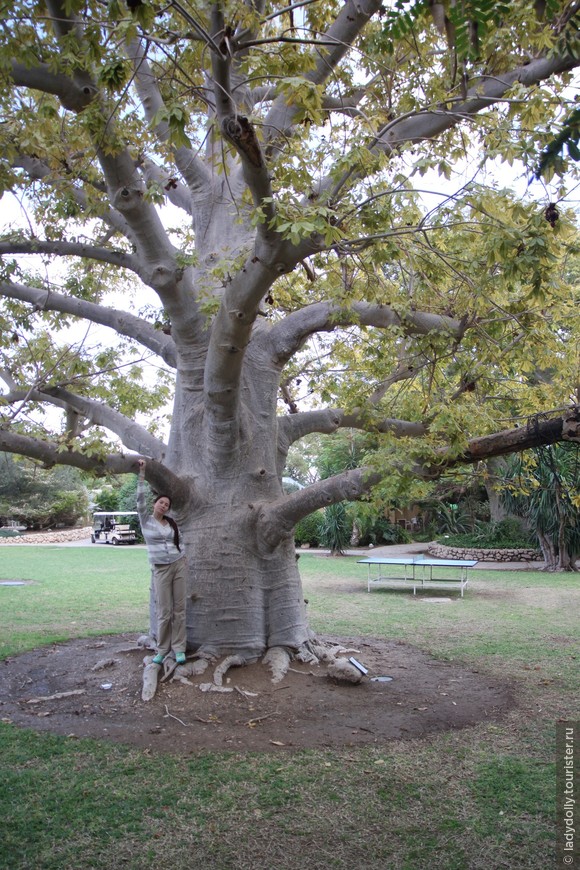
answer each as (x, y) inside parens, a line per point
(543, 489)
(336, 529)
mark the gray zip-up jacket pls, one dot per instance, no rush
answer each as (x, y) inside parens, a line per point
(158, 537)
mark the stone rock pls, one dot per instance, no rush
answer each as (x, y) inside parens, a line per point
(62, 536)
(440, 551)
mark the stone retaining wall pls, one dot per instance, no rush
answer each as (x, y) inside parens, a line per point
(440, 551)
(61, 536)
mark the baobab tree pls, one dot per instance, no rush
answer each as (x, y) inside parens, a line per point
(250, 167)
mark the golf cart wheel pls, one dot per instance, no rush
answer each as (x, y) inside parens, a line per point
(92, 539)
(114, 541)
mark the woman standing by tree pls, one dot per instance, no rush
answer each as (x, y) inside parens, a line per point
(168, 566)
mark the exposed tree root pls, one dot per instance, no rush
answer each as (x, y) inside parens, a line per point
(223, 668)
(338, 668)
(314, 652)
(199, 666)
(277, 659)
(146, 641)
(211, 687)
(150, 677)
(342, 670)
(219, 673)
(307, 654)
(105, 663)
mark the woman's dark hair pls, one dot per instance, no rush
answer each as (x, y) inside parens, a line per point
(170, 520)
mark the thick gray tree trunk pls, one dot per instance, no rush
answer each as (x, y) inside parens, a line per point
(241, 601)
(244, 595)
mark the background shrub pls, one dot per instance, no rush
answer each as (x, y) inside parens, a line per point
(381, 531)
(506, 534)
(308, 530)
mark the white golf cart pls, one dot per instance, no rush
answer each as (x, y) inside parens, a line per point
(113, 527)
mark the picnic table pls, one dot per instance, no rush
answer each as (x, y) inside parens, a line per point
(418, 572)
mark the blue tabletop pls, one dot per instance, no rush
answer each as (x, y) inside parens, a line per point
(418, 560)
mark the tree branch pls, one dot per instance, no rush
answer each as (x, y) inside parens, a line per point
(338, 39)
(133, 436)
(124, 186)
(536, 433)
(484, 92)
(37, 169)
(231, 334)
(288, 336)
(277, 521)
(120, 321)
(237, 129)
(177, 193)
(71, 249)
(49, 453)
(192, 169)
(293, 427)
(73, 97)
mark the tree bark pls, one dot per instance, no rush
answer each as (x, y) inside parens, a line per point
(493, 486)
(548, 552)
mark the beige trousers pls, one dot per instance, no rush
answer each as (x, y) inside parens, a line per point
(169, 584)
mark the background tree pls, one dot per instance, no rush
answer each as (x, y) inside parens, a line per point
(495, 475)
(298, 258)
(302, 459)
(105, 498)
(40, 499)
(543, 487)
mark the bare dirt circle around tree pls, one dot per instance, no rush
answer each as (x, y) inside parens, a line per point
(92, 688)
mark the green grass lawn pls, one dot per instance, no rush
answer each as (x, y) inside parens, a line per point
(76, 591)
(478, 799)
